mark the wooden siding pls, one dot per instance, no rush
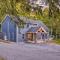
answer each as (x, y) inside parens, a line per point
(31, 36)
(40, 34)
(9, 28)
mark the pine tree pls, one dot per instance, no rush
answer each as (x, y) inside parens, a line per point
(54, 13)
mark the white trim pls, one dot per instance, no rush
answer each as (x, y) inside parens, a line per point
(8, 31)
(4, 18)
(16, 33)
(43, 29)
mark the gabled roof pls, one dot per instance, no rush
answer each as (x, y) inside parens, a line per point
(13, 18)
(32, 21)
(33, 29)
(36, 29)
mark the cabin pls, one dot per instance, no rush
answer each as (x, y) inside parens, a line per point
(9, 28)
(37, 34)
(33, 30)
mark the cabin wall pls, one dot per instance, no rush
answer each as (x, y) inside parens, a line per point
(42, 36)
(12, 31)
(4, 26)
(22, 34)
(9, 29)
(23, 31)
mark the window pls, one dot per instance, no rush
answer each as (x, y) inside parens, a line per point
(35, 24)
(19, 31)
(27, 25)
(23, 36)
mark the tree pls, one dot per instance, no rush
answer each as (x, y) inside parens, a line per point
(54, 13)
(8, 6)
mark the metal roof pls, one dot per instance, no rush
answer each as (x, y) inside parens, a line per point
(13, 18)
(33, 29)
(32, 21)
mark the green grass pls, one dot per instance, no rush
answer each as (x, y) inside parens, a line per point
(57, 41)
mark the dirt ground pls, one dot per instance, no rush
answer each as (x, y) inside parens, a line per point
(1, 58)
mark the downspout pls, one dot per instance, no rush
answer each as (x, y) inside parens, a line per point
(16, 33)
(8, 31)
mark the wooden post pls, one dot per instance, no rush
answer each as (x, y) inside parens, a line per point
(35, 38)
(8, 31)
(41, 36)
(17, 34)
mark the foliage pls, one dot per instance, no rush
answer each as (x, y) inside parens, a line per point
(50, 16)
(54, 13)
(57, 41)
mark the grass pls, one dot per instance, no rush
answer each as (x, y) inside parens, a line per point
(57, 41)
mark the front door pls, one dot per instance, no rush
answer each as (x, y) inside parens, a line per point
(30, 36)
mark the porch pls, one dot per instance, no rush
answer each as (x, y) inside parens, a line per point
(36, 37)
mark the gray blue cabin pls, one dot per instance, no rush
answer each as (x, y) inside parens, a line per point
(33, 30)
(10, 28)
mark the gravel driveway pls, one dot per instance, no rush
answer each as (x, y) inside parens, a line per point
(23, 51)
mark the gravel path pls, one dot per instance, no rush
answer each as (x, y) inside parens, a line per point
(23, 51)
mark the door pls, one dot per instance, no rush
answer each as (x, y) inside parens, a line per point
(12, 31)
(30, 36)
